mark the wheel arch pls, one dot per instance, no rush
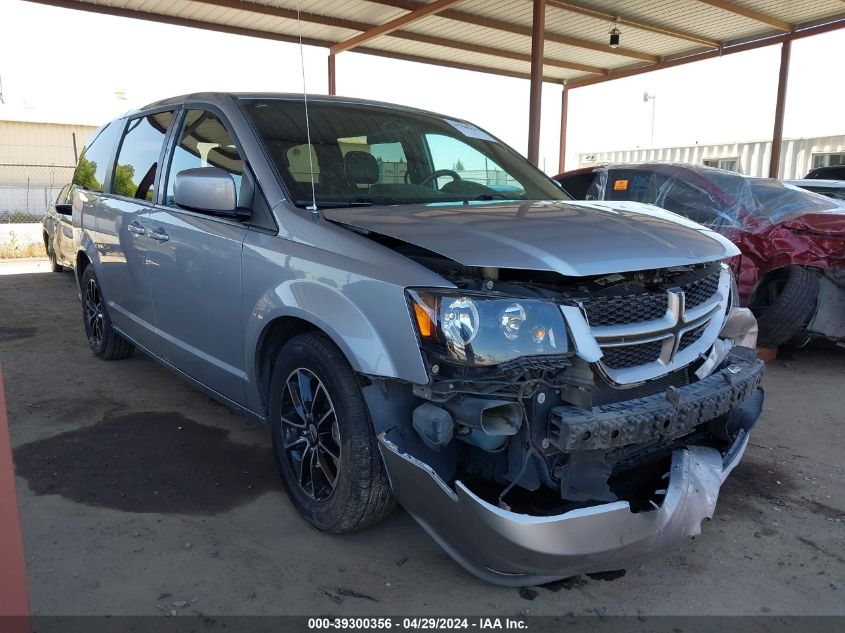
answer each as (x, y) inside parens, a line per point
(82, 262)
(272, 339)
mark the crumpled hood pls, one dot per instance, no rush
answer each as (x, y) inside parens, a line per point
(571, 238)
(830, 223)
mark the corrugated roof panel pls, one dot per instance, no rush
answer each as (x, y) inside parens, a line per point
(798, 11)
(494, 38)
(394, 45)
(519, 12)
(598, 30)
(359, 10)
(687, 15)
(472, 35)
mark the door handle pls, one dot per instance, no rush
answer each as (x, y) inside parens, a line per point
(136, 229)
(159, 235)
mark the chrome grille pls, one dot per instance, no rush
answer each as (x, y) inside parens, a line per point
(691, 336)
(643, 306)
(701, 290)
(644, 335)
(632, 355)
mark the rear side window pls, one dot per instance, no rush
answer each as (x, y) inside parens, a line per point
(90, 172)
(137, 161)
(204, 142)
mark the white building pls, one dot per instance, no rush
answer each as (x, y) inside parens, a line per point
(36, 160)
(797, 156)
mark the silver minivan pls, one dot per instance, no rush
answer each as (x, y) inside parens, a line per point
(418, 314)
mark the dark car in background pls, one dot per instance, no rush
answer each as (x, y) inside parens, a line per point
(828, 172)
(830, 188)
(58, 233)
(792, 268)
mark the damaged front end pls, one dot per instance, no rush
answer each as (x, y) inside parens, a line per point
(570, 425)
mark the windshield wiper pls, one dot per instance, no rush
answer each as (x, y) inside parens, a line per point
(369, 200)
(492, 196)
(330, 204)
(360, 201)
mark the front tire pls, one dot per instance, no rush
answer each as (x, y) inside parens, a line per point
(784, 304)
(104, 341)
(326, 452)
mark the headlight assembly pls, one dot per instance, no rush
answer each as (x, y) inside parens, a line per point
(482, 330)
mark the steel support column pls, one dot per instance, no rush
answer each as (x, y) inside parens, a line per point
(777, 136)
(14, 592)
(538, 39)
(332, 80)
(564, 111)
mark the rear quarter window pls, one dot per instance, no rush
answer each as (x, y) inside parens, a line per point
(90, 172)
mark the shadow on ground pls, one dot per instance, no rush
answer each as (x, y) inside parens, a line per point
(148, 462)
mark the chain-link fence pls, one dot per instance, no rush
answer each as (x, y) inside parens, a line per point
(28, 190)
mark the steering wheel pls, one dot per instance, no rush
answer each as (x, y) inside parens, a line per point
(440, 172)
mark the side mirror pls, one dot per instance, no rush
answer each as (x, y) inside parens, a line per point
(208, 189)
(64, 209)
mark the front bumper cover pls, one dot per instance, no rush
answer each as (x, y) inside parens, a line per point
(511, 549)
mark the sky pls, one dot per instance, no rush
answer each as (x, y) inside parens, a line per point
(68, 66)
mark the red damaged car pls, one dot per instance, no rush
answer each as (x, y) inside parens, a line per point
(792, 268)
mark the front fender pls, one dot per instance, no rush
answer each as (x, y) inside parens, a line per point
(333, 313)
(381, 344)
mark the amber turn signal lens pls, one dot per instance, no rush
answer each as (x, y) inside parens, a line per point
(423, 320)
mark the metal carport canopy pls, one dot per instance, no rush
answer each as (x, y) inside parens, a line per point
(556, 41)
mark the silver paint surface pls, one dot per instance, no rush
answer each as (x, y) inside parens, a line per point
(571, 238)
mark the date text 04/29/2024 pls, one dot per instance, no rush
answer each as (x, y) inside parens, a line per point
(415, 624)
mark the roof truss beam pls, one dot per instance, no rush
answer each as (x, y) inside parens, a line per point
(751, 14)
(393, 25)
(583, 9)
(509, 27)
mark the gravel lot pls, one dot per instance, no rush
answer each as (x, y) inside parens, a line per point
(139, 495)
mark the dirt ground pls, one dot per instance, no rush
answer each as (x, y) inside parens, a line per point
(139, 495)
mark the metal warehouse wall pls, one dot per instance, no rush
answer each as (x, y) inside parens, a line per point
(36, 161)
(796, 156)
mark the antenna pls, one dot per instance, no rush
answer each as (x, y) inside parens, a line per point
(313, 207)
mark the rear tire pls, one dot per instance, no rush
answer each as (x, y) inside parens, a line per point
(326, 452)
(55, 266)
(784, 304)
(104, 341)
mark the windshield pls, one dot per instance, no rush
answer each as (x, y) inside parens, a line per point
(778, 202)
(766, 197)
(361, 155)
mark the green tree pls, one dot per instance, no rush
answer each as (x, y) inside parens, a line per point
(123, 185)
(85, 174)
(459, 166)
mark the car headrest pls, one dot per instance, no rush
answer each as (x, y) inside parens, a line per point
(361, 168)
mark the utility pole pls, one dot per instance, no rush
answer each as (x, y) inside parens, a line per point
(653, 99)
